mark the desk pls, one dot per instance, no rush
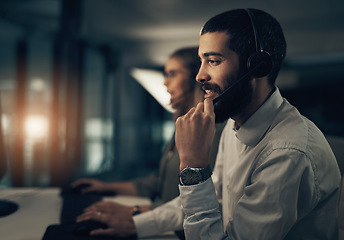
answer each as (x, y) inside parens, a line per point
(39, 208)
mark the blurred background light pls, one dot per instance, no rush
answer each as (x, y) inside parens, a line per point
(37, 84)
(36, 127)
(153, 82)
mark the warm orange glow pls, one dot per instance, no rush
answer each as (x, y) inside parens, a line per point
(36, 127)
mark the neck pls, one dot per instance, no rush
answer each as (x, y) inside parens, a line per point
(261, 92)
(182, 111)
(190, 101)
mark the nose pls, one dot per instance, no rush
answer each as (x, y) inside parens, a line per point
(166, 82)
(202, 75)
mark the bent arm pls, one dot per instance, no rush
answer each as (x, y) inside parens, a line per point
(202, 214)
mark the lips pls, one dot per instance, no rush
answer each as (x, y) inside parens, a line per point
(173, 97)
(211, 91)
(170, 92)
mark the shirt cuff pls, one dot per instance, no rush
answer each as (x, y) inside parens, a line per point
(165, 218)
(199, 197)
(145, 224)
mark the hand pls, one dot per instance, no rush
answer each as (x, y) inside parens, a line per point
(195, 132)
(123, 212)
(117, 217)
(94, 185)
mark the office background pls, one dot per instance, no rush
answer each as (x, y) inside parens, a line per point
(69, 106)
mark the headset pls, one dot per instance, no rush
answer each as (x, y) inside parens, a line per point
(260, 57)
(259, 63)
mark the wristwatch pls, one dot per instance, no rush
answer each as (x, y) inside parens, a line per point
(192, 176)
(136, 210)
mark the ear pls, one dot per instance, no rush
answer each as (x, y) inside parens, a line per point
(260, 63)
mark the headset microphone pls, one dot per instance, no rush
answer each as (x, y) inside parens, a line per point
(227, 91)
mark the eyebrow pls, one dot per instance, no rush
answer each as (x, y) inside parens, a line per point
(207, 54)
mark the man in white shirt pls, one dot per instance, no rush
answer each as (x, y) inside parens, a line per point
(275, 175)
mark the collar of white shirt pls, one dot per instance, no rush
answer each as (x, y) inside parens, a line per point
(254, 129)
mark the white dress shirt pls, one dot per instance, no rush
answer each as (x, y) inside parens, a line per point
(275, 178)
(165, 218)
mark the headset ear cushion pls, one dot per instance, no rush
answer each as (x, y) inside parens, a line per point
(260, 63)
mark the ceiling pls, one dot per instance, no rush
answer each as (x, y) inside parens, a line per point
(147, 31)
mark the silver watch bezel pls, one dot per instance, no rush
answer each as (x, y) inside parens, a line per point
(195, 171)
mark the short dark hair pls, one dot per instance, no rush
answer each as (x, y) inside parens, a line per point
(238, 25)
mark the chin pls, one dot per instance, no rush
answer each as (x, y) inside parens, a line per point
(173, 106)
(232, 105)
(220, 114)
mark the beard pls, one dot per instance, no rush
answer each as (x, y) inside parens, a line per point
(235, 101)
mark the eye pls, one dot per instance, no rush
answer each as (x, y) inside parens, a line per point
(214, 62)
(170, 74)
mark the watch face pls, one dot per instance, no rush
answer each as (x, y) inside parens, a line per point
(190, 177)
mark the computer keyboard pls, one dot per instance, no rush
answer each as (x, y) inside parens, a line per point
(75, 203)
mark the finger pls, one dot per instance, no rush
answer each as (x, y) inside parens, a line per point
(91, 189)
(87, 190)
(200, 107)
(191, 110)
(189, 113)
(104, 205)
(97, 204)
(78, 182)
(106, 231)
(94, 206)
(178, 121)
(83, 217)
(100, 208)
(86, 214)
(208, 106)
(94, 215)
(91, 209)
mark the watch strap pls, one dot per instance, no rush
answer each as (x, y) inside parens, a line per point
(136, 210)
(206, 173)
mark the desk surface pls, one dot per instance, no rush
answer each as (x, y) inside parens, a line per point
(39, 208)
